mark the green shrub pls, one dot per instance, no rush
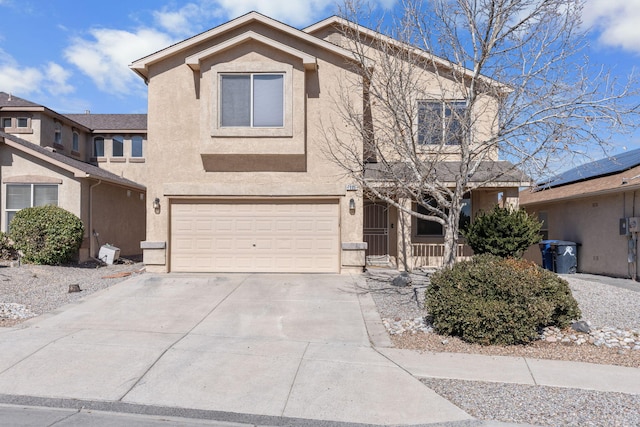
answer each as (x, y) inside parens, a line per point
(7, 250)
(503, 232)
(493, 300)
(46, 234)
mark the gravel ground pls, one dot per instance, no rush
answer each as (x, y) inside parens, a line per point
(539, 405)
(602, 305)
(30, 290)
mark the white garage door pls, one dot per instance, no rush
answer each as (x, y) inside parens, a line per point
(255, 237)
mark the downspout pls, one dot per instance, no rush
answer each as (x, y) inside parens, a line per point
(92, 252)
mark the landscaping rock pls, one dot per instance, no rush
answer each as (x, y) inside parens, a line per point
(581, 326)
(402, 280)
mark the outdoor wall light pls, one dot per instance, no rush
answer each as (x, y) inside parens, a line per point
(352, 206)
(156, 205)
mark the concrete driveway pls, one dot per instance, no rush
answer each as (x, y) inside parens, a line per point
(273, 345)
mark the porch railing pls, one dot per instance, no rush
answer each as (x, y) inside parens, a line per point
(432, 254)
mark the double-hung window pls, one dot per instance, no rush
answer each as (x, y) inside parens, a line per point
(252, 100)
(20, 196)
(439, 122)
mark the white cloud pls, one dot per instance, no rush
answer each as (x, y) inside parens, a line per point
(616, 21)
(51, 78)
(105, 57)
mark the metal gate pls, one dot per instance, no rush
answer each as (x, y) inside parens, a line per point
(376, 230)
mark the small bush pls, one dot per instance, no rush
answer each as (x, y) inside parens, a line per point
(503, 232)
(6, 247)
(493, 300)
(46, 234)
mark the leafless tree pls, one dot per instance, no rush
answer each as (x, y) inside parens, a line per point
(450, 85)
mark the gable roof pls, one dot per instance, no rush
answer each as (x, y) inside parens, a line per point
(338, 22)
(141, 66)
(78, 168)
(112, 122)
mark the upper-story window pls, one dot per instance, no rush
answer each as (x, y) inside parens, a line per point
(136, 146)
(6, 122)
(117, 146)
(98, 147)
(75, 143)
(57, 136)
(252, 100)
(439, 122)
(23, 122)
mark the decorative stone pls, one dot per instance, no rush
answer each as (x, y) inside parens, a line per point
(581, 326)
(403, 279)
(74, 288)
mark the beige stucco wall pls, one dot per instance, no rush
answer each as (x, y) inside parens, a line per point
(427, 85)
(119, 218)
(594, 223)
(182, 116)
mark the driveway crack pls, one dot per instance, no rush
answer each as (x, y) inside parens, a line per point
(295, 377)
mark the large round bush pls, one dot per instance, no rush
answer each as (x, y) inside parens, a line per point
(504, 232)
(494, 300)
(46, 234)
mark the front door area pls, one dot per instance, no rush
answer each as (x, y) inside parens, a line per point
(376, 231)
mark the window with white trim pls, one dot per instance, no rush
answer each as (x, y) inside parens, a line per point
(439, 122)
(6, 122)
(117, 147)
(23, 122)
(20, 196)
(254, 100)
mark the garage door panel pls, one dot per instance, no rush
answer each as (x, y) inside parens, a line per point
(255, 237)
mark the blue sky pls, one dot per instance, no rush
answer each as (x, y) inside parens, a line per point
(73, 55)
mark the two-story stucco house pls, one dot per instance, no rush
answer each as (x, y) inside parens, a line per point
(51, 158)
(238, 176)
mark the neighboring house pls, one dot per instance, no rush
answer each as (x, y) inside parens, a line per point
(238, 171)
(591, 205)
(44, 159)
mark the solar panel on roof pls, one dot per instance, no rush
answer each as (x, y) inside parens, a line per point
(607, 166)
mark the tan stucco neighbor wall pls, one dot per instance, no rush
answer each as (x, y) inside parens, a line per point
(594, 223)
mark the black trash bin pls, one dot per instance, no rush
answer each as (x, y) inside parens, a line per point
(566, 257)
(547, 254)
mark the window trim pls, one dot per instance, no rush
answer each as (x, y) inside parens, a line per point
(28, 123)
(2, 122)
(286, 70)
(31, 198)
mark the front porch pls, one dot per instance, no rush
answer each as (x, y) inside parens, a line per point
(396, 239)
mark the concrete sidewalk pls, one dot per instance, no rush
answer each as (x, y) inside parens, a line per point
(296, 349)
